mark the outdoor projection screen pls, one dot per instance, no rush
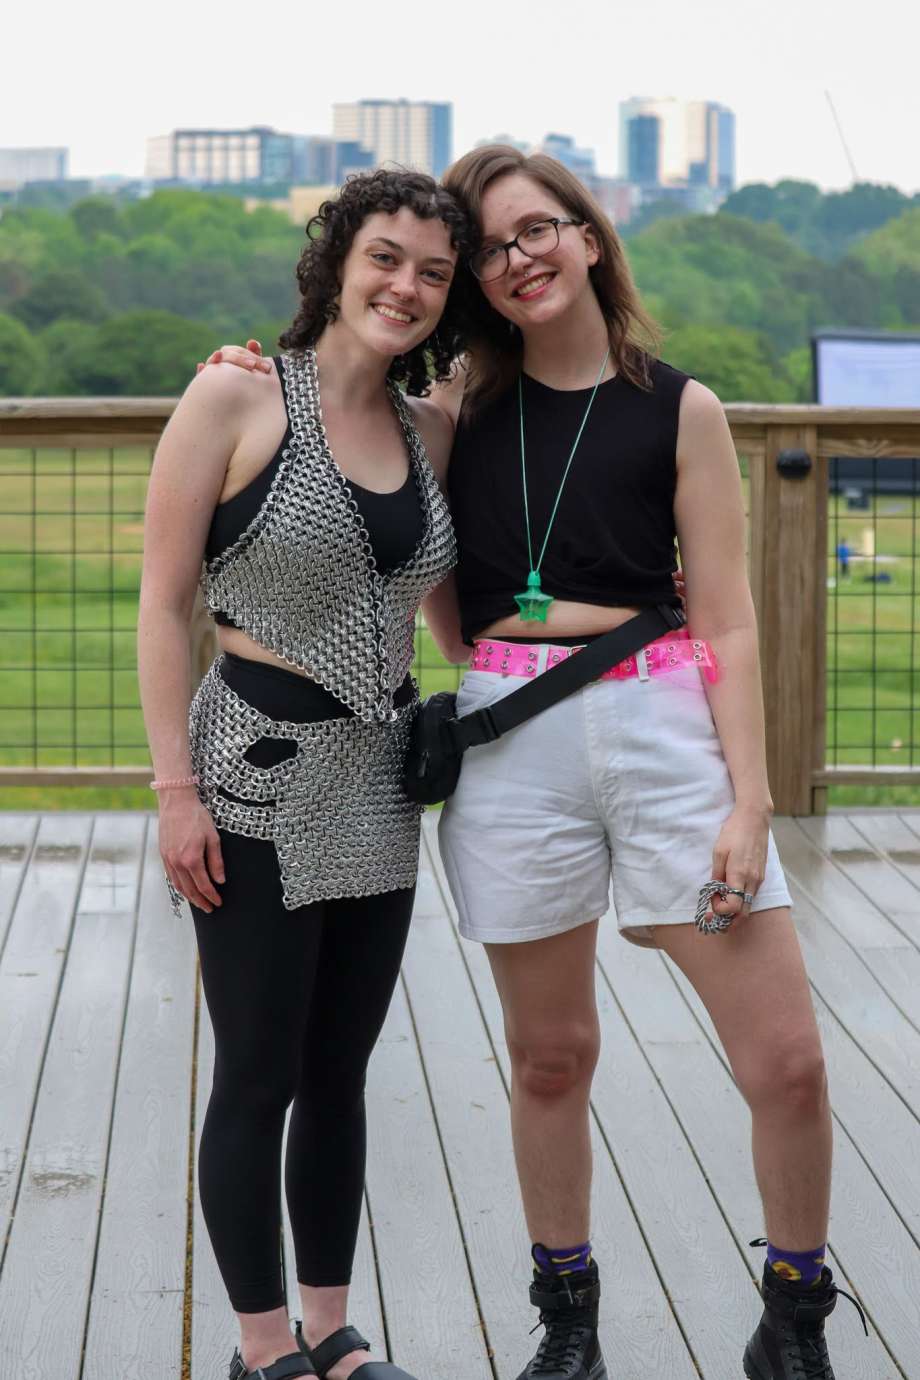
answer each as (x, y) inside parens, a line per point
(867, 370)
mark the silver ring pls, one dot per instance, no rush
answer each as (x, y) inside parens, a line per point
(718, 923)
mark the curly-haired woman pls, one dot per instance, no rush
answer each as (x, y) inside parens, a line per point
(310, 491)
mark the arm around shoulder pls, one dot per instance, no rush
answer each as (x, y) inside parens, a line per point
(447, 395)
(437, 432)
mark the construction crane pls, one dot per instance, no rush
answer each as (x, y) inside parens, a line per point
(846, 147)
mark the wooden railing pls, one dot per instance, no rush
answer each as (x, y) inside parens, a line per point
(786, 451)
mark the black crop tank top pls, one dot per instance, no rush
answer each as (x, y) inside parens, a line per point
(613, 540)
(395, 521)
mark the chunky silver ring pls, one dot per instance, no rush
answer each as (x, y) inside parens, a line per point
(719, 923)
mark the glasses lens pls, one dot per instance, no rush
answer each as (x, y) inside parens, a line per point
(489, 263)
(539, 238)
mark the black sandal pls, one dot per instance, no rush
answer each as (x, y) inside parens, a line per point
(297, 1363)
(339, 1344)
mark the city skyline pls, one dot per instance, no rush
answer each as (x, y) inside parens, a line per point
(772, 69)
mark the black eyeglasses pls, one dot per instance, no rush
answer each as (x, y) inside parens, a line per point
(534, 240)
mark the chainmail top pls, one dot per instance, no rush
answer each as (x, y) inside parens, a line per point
(336, 810)
(301, 580)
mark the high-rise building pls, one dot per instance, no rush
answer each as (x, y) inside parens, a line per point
(725, 148)
(410, 134)
(209, 156)
(520, 144)
(671, 143)
(563, 148)
(643, 150)
(18, 166)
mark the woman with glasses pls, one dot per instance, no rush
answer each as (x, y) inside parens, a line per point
(580, 460)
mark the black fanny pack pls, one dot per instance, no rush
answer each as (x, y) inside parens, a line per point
(439, 739)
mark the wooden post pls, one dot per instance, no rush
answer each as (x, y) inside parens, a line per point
(788, 576)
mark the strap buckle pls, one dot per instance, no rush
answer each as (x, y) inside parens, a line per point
(487, 723)
(472, 730)
(674, 617)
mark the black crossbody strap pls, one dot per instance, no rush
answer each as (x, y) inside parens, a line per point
(485, 725)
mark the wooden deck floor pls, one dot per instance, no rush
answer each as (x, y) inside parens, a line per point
(99, 1100)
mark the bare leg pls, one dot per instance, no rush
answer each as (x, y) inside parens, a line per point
(325, 1310)
(548, 998)
(264, 1337)
(753, 983)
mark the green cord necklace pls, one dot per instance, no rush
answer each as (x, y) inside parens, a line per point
(533, 603)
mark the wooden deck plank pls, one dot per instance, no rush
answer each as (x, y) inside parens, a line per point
(877, 1256)
(415, 1223)
(898, 844)
(846, 983)
(29, 982)
(472, 1111)
(641, 1328)
(715, 1119)
(17, 835)
(214, 1329)
(879, 944)
(873, 1113)
(440, 1175)
(890, 891)
(911, 822)
(848, 909)
(49, 1265)
(136, 1314)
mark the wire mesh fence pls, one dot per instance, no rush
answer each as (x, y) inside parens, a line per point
(71, 539)
(873, 613)
(70, 560)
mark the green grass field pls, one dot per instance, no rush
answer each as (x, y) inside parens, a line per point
(70, 552)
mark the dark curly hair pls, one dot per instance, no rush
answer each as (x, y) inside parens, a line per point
(330, 234)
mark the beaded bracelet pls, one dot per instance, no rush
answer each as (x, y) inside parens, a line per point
(179, 781)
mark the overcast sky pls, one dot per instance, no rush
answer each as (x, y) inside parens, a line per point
(100, 77)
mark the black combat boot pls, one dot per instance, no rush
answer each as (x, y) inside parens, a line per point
(568, 1305)
(789, 1343)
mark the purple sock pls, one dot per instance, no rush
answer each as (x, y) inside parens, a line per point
(798, 1267)
(562, 1260)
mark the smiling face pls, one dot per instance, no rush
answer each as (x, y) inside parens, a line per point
(395, 280)
(535, 292)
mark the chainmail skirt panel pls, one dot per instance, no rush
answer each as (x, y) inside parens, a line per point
(333, 805)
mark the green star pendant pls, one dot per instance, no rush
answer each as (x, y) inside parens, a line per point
(533, 603)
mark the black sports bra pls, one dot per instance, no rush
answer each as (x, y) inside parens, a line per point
(395, 521)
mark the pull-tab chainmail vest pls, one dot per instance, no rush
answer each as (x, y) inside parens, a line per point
(301, 580)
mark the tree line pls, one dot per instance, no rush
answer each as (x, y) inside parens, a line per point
(122, 299)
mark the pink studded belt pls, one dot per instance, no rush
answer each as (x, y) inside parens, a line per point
(670, 653)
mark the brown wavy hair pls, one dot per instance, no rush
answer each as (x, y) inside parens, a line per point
(330, 234)
(495, 347)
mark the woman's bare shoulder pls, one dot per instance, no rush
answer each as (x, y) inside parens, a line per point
(437, 432)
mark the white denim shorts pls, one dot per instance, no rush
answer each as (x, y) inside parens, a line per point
(624, 780)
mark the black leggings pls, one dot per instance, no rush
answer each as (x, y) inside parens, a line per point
(297, 999)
